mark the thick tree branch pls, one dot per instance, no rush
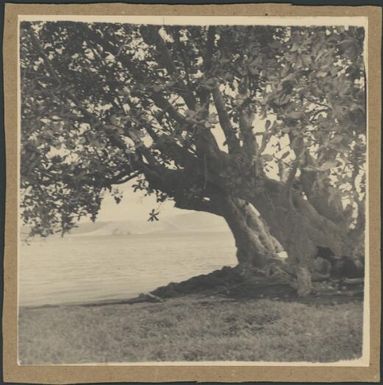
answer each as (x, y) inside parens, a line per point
(298, 146)
(205, 205)
(159, 176)
(127, 61)
(294, 168)
(167, 61)
(209, 49)
(168, 146)
(203, 92)
(224, 120)
(246, 117)
(123, 178)
(167, 107)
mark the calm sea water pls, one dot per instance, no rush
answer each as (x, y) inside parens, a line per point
(86, 269)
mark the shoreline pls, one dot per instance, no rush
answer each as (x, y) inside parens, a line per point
(227, 283)
(141, 299)
(80, 304)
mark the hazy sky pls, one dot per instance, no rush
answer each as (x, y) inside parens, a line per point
(133, 205)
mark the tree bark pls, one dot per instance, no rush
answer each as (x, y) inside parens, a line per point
(255, 244)
(278, 220)
(296, 223)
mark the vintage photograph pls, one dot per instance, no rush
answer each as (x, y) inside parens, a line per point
(192, 189)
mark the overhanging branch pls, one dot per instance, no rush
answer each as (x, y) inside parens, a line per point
(205, 205)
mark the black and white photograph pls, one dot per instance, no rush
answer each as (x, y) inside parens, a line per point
(192, 189)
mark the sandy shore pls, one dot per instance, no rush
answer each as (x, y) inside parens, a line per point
(191, 329)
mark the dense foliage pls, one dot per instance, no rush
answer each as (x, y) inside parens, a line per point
(192, 114)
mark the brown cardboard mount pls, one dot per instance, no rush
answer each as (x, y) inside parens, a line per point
(202, 372)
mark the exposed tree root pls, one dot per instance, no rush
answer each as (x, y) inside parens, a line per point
(229, 282)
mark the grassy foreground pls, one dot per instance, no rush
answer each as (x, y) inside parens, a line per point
(191, 329)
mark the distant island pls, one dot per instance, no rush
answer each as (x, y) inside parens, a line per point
(188, 222)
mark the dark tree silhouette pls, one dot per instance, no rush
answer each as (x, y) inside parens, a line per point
(264, 126)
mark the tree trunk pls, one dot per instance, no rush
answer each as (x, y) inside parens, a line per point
(255, 244)
(278, 220)
(297, 224)
(267, 217)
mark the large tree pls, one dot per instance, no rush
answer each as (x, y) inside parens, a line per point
(262, 125)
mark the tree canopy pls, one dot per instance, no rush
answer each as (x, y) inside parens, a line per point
(190, 113)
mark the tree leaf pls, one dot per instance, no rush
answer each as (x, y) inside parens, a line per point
(267, 157)
(285, 155)
(328, 165)
(295, 115)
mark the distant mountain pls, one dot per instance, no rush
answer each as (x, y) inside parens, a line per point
(199, 221)
(119, 228)
(189, 222)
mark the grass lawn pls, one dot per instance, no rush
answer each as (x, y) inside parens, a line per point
(191, 329)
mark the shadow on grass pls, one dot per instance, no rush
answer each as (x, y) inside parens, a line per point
(219, 322)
